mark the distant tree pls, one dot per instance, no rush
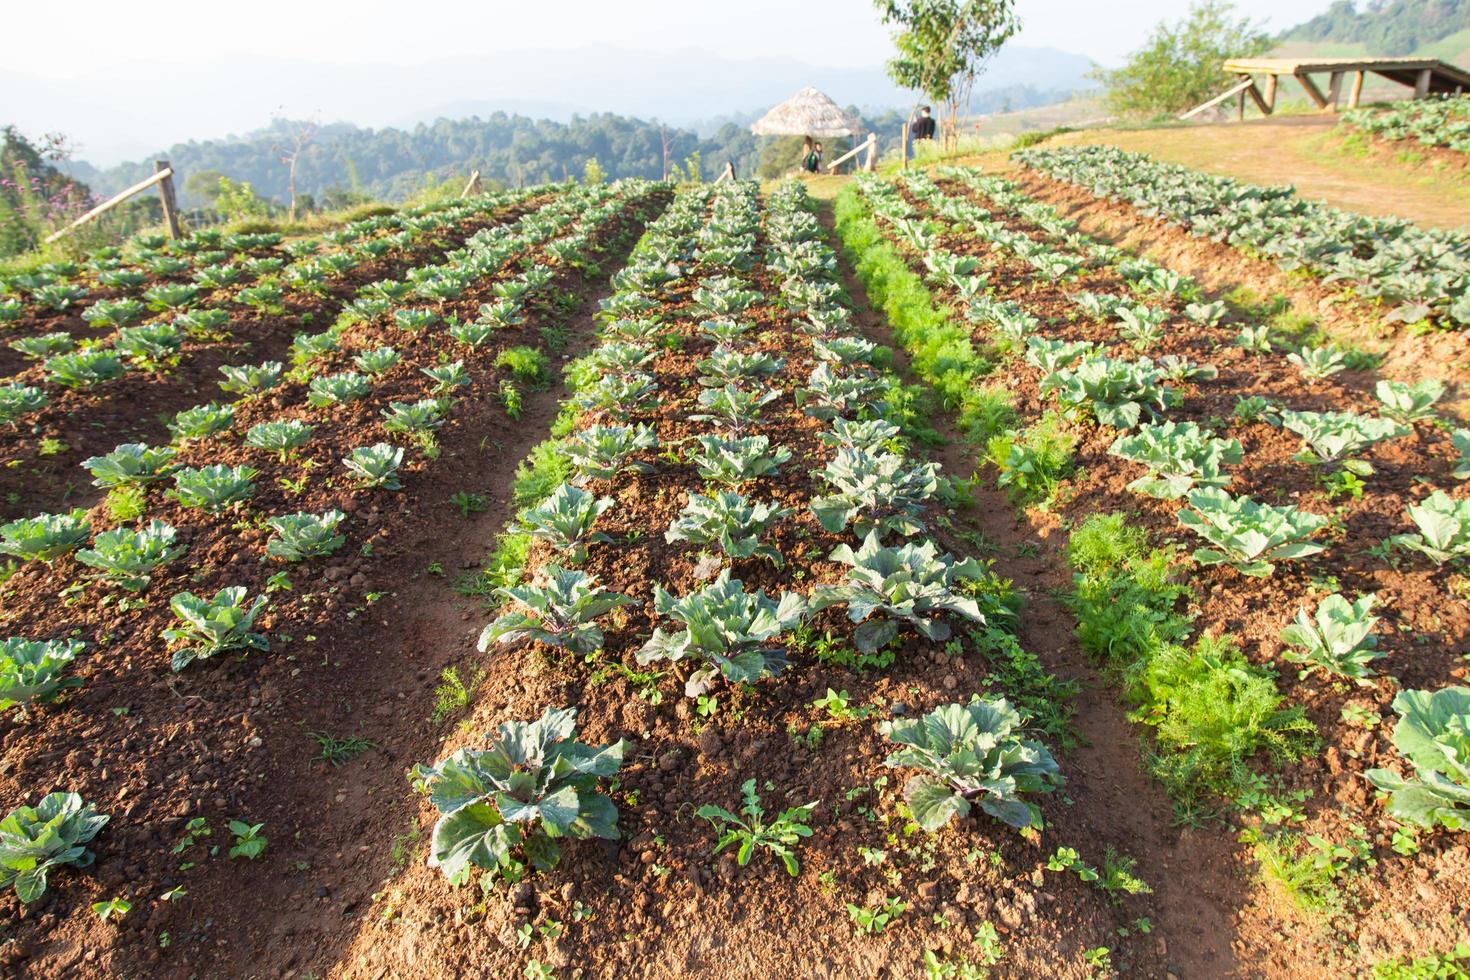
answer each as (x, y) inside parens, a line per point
(299, 136)
(592, 172)
(238, 200)
(943, 45)
(203, 184)
(1182, 64)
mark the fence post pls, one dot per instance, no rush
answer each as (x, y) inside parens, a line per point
(870, 162)
(473, 187)
(903, 146)
(170, 202)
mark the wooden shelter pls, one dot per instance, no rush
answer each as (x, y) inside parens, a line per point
(1426, 76)
(812, 113)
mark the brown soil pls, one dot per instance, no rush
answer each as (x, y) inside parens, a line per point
(1424, 630)
(1221, 269)
(358, 644)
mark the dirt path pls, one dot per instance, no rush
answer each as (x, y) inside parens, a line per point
(1195, 875)
(1298, 150)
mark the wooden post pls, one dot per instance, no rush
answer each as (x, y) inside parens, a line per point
(166, 194)
(1334, 89)
(1357, 89)
(1421, 87)
(1240, 109)
(727, 174)
(903, 146)
(1313, 92)
(1256, 97)
(872, 159)
(473, 186)
(1270, 94)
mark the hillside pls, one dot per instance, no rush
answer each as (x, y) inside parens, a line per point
(391, 162)
(1396, 27)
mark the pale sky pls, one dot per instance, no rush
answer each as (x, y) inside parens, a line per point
(102, 33)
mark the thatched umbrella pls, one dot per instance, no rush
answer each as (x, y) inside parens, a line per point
(807, 113)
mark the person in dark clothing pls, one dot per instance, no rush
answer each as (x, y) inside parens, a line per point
(923, 127)
(813, 162)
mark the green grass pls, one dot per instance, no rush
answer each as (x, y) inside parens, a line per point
(1212, 712)
(939, 346)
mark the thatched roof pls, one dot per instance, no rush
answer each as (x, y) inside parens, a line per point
(807, 113)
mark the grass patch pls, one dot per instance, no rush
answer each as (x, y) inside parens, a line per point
(1212, 711)
(939, 345)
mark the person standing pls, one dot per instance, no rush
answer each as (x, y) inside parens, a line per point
(923, 127)
(813, 162)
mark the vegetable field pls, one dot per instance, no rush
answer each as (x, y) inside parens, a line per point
(640, 580)
(1428, 122)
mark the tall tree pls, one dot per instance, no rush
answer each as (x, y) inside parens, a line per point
(1183, 64)
(943, 45)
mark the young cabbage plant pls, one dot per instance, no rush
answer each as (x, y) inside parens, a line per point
(1330, 439)
(1460, 439)
(726, 366)
(251, 379)
(560, 612)
(868, 436)
(150, 344)
(564, 520)
(1406, 403)
(845, 350)
(376, 361)
(45, 537)
(1443, 523)
(213, 488)
(447, 377)
(131, 464)
(752, 830)
(1115, 391)
(726, 628)
(337, 389)
(84, 369)
(911, 583)
(1249, 536)
(1254, 339)
(730, 521)
(1052, 356)
(875, 492)
(736, 461)
(128, 559)
(45, 345)
(515, 801)
(1180, 456)
(302, 536)
(34, 840)
(1433, 734)
(972, 753)
(421, 416)
(376, 465)
(1142, 326)
(1338, 640)
(734, 409)
(279, 437)
(830, 395)
(211, 626)
(201, 422)
(620, 396)
(1316, 363)
(601, 452)
(34, 671)
(18, 400)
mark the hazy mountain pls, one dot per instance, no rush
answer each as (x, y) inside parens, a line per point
(110, 122)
